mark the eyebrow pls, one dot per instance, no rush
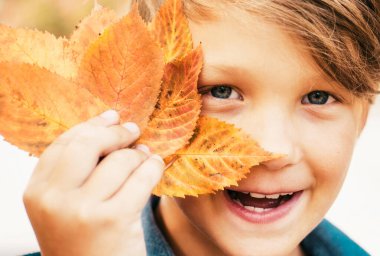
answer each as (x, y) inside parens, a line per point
(233, 70)
(211, 70)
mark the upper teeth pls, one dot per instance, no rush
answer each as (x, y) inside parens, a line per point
(273, 196)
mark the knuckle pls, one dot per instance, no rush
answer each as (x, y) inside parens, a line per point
(84, 215)
(32, 194)
(87, 138)
(88, 135)
(90, 215)
(155, 169)
(108, 218)
(28, 197)
(47, 204)
(127, 155)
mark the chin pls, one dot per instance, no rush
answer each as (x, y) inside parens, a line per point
(261, 223)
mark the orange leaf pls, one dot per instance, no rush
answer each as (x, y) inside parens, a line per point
(218, 156)
(124, 67)
(58, 55)
(176, 115)
(37, 105)
(90, 29)
(171, 29)
(35, 47)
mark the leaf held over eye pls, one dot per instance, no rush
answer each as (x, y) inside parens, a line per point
(218, 156)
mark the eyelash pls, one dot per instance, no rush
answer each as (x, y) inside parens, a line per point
(327, 97)
(208, 91)
(307, 98)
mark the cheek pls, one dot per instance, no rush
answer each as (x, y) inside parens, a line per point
(198, 210)
(328, 150)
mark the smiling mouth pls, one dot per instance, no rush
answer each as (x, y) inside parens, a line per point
(259, 203)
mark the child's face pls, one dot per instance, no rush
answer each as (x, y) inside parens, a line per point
(264, 82)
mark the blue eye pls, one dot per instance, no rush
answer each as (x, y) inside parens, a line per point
(317, 98)
(224, 92)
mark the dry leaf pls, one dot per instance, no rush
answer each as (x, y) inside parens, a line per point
(174, 120)
(59, 55)
(170, 26)
(37, 105)
(35, 47)
(49, 84)
(218, 156)
(124, 68)
(90, 29)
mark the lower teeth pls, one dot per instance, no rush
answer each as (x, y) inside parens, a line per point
(250, 208)
(255, 209)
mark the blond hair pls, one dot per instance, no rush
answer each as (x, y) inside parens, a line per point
(343, 35)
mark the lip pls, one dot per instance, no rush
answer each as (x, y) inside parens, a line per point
(266, 217)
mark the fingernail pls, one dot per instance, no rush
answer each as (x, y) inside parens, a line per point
(143, 148)
(132, 127)
(157, 157)
(110, 115)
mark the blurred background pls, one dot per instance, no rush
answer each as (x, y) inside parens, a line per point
(356, 210)
(56, 16)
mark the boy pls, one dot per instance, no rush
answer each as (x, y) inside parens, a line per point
(298, 76)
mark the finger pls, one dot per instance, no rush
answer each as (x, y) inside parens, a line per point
(112, 172)
(80, 157)
(53, 152)
(137, 189)
(106, 119)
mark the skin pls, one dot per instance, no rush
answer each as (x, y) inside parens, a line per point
(272, 76)
(79, 205)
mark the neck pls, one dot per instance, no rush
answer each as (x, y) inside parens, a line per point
(183, 237)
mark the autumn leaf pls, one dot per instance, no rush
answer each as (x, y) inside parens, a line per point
(174, 120)
(218, 156)
(90, 29)
(49, 84)
(170, 26)
(55, 104)
(59, 55)
(36, 106)
(35, 47)
(124, 68)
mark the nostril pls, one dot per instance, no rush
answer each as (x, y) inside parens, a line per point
(277, 164)
(283, 144)
(292, 157)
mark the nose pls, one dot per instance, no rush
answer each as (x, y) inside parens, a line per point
(276, 132)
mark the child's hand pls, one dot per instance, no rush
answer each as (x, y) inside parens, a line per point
(80, 206)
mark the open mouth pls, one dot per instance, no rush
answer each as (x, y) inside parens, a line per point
(261, 208)
(259, 202)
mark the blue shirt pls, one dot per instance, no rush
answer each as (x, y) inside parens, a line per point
(324, 240)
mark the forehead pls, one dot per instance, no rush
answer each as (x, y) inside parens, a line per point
(236, 41)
